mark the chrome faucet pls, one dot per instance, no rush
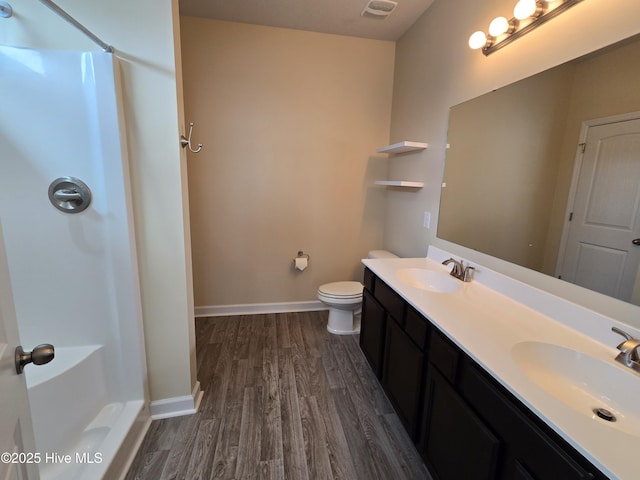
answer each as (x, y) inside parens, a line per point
(629, 350)
(459, 270)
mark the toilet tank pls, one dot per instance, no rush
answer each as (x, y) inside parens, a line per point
(381, 254)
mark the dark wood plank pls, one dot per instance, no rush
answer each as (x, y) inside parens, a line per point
(208, 354)
(312, 336)
(385, 464)
(295, 464)
(282, 329)
(340, 458)
(248, 461)
(272, 448)
(150, 465)
(255, 357)
(226, 451)
(183, 440)
(219, 329)
(356, 441)
(315, 441)
(215, 397)
(363, 371)
(272, 470)
(200, 463)
(244, 335)
(403, 448)
(177, 465)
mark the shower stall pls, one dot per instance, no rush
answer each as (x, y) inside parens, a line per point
(65, 206)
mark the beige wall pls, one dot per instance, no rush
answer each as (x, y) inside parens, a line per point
(143, 34)
(435, 69)
(290, 122)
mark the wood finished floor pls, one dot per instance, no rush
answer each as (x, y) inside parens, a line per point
(283, 399)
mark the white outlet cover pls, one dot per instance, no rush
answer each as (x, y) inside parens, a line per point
(427, 220)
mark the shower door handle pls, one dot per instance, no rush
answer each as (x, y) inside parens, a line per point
(38, 356)
(67, 195)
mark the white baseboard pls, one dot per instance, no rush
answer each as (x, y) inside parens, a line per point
(258, 308)
(177, 406)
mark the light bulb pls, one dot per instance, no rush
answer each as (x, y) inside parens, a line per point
(498, 26)
(525, 9)
(477, 40)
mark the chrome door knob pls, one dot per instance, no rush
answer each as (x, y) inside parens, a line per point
(38, 356)
(636, 241)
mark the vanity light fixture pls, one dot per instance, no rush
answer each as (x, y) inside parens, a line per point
(527, 15)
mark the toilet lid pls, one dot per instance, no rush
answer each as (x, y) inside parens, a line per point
(342, 289)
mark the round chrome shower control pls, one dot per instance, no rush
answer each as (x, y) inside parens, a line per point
(69, 194)
(40, 355)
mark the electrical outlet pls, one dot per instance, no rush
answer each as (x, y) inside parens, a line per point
(426, 221)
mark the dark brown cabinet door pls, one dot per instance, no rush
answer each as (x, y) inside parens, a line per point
(402, 375)
(372, 329)
(456, 443)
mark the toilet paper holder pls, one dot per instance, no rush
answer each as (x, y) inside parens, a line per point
(296, 261)
(302, 254)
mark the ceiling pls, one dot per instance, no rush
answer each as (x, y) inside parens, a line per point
(340, 17)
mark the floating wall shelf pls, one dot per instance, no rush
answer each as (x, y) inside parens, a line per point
(403, 147)
(400, 183)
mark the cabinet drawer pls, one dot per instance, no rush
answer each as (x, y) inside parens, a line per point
(369, 280)
(416, 327)
(533, 452)
(444, 355)
(390, 300)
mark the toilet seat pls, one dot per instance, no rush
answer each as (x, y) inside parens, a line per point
(347, 292)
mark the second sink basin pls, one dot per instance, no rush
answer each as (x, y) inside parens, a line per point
(582, 382)
(428, 280)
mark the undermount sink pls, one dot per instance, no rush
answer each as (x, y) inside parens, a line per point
(583, 382)
(428, 280)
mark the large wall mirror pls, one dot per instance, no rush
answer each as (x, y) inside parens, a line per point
(545, 173)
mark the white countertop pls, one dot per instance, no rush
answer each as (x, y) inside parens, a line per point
(487, 324)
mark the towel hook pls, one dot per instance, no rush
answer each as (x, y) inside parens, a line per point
(186, 142)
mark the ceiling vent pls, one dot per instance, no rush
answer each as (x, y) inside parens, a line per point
(379, 9)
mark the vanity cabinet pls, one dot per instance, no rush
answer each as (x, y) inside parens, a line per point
(464, 423)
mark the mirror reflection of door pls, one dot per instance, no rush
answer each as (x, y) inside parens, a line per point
(600, 252)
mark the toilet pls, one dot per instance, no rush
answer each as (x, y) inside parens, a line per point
(344, 300)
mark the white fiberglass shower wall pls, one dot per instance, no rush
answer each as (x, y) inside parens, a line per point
(74, 276)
